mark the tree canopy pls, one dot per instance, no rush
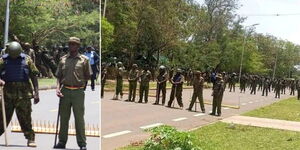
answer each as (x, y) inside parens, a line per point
(52, 21)
(185, 34)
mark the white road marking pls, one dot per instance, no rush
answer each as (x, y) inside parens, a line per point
(250, 102)
(179, 119)
(244, 104)
(116, 134)
(226, 108)
(53, 110)
(200, 114)
(151, 126)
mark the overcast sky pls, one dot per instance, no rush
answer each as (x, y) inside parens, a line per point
(286, 27)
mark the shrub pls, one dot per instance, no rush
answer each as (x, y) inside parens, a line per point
(168, 138)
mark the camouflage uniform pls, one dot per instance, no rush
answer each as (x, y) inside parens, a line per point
(283, 86)
(266, 85)
(293, 87)
(31, 53)
(218, 90)
(144, 85)
(161, 86)
(119, 79)
(253, 85)
(298, 89)
(277, 89)
(17, 95)
(177, 82)
(198, 91)
(243, 83)
(132, 78)
(232, 81)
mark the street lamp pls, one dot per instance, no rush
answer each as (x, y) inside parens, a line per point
(244, 43)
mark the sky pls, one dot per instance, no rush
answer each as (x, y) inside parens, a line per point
(285, 27)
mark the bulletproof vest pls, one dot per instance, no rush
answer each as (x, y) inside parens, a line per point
(15, 70)
(162, 77)
(177, 78)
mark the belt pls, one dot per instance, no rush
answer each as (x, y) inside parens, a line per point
(73, 87)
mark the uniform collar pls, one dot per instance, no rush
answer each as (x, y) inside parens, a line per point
(77, 56)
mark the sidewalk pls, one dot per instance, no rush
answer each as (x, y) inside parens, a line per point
(264, 122)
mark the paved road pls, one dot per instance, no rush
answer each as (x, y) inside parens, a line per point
(123, 122)
(46, 111)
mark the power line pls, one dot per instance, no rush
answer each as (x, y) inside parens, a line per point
(270, 15)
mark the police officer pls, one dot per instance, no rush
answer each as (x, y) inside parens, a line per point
(177, 82)
(161, 81)
(283, 86)
(132, 79)
(72, 73)
(29, 51)
(266, 85)
(253, 85)
(232, 82)
(103, 78)
(145, 78)
(293, 87)
(277, 88)
(298, 89)
(243, 83)
(218, 90)
(119, 81)
(94, 62)
(198, 82)
(16, 70)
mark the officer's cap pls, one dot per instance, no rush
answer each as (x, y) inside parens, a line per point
(74, 40)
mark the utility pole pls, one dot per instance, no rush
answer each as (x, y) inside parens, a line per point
(244, 43)
(6, 24)
(104, 8)
(274, 69)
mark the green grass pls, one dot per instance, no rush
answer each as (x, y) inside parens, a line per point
(46, 82)
(288, 109)
(219, 136)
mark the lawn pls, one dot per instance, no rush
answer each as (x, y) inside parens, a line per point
(288, 109)
(46, 82)
(221, 136)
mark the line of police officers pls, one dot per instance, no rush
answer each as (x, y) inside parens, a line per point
(196, 79)
(177, 80)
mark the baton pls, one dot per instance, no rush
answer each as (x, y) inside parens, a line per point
(57, 121)
(4, 115)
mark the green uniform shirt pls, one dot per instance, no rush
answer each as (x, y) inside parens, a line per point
(30, 53)
(74, 71)
(198, 84)
(218, 88)
(145, 76)
(133, 75)
(20, 90)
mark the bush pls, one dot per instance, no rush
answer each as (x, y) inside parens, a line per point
(168, 138)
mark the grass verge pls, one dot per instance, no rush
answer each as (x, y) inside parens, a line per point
(287, 109)
(46, 82)
(223, 136)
